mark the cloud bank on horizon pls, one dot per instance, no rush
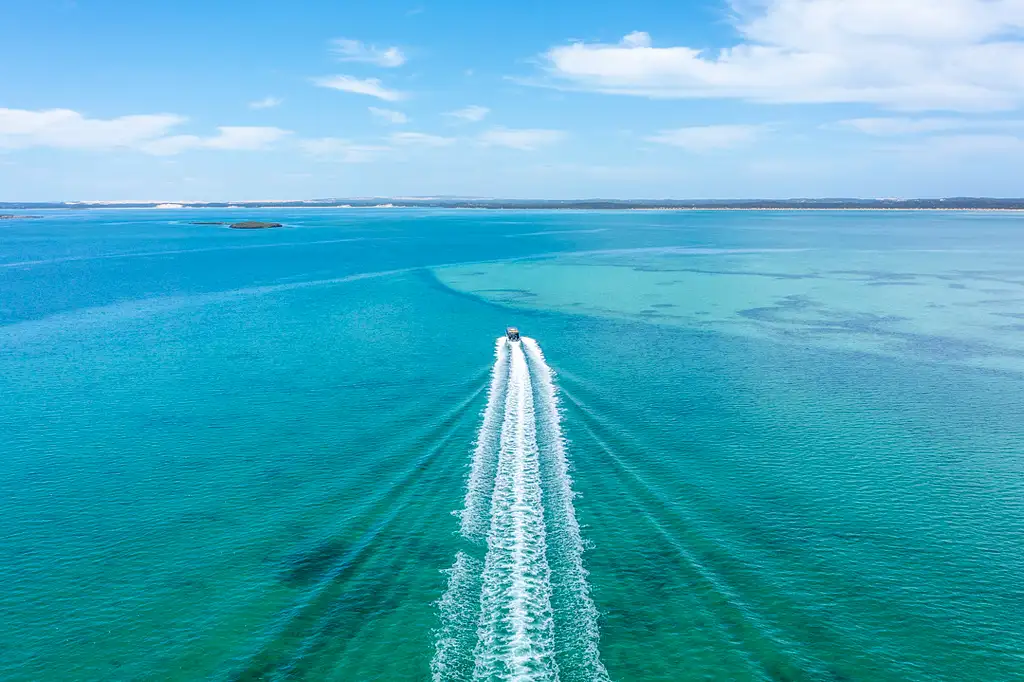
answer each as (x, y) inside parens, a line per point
(745, 98)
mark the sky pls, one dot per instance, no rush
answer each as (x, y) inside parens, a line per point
(191, 100)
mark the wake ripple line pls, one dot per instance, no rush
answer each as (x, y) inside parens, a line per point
(172, 252)
(482, 470)
(516, 631)
(458, 618)
(584, 638)
(729, 597)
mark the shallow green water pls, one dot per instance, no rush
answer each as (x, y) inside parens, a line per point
(794, 439)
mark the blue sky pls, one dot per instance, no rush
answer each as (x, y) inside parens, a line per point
(189, 100)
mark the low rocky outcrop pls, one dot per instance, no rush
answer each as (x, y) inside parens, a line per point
(253, 225)
(244, 225)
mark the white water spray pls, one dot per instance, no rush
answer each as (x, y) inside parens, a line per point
(481, 474)
(506, 603)
(584, 637)
(516, 635)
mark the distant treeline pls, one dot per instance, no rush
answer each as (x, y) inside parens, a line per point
(965, 203)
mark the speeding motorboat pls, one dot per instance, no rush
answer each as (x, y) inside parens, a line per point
(512, 333)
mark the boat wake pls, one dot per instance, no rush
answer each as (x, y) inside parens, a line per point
(522, 612)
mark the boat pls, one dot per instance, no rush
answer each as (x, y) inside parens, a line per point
(512, 333)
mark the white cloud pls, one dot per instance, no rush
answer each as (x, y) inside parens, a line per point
(266, 103)
(525, 139)
(369, 86)
(67, 129)
(419, 140)
(905, 54)
(245, 137)
(474, 113)
(342, 150)
(355, 51)
(708, 138)
(234, 138)
(389, 115)
(896, 126)
(900, 126)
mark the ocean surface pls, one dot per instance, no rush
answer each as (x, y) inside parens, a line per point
(779, 446)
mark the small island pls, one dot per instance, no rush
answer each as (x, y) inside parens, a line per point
(244, 225)
(8, 216)
(253, 225)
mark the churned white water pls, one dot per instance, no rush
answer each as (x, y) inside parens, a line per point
(519, 466)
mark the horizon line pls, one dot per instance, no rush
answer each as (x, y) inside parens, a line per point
(462, 199)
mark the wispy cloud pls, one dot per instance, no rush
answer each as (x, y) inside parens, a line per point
(526, 139)
(708, 138)
(349, 151)
(236, 138)
(420, 140)
(939, 151)
(342, 150)
(266, 103)
(389, 115)
(906, 54)
(368, 86)
(471, 114)
(975, 145)
(348, 50)
(897, 126)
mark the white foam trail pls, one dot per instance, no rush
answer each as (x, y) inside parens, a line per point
(481, 474)
(584, 637)
(516, 633)
(459, 607)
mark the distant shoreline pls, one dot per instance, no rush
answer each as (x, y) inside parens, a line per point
(843, 208)
(659, 209)
(955, 204)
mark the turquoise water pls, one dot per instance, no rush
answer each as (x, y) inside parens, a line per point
(743, 446)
